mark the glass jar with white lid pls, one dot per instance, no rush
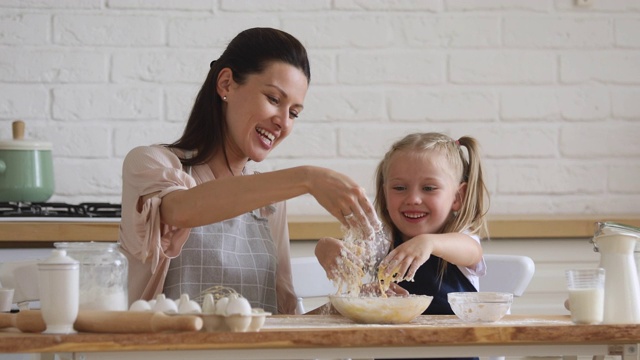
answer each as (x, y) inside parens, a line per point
(103, 274)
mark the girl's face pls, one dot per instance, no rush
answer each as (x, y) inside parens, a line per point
(260, 113)
(421, 192)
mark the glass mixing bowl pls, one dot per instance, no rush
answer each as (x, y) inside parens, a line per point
(480, 306)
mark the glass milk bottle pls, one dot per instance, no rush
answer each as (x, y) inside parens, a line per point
(103, 274)
(616, 244)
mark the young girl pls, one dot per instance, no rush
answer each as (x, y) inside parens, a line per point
(434, 200)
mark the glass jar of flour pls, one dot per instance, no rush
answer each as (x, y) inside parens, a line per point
(103, 274)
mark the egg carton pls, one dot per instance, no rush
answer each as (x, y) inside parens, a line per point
(231, 314)
(234, 323)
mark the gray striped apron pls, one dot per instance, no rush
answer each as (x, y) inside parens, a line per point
(237, 253)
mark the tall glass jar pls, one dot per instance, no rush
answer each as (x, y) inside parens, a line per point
(103, 274)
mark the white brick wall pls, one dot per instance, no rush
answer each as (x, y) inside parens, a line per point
(551, 90)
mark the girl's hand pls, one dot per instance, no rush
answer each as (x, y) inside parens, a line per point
(455, 248)
(344, 199)
(408, 257)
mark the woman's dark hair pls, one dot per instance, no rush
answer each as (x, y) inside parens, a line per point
(250, 52)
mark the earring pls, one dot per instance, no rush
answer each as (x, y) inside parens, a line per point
(455, 214)
(224, 98)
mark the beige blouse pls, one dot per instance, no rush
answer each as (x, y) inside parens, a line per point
(149, 244)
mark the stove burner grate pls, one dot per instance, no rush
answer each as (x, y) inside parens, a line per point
(83, 210)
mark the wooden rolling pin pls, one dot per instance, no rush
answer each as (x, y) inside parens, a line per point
(107, 322)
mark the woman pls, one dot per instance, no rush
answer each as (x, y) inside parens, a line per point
(192, 217)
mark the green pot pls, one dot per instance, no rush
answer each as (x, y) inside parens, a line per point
(26, 171)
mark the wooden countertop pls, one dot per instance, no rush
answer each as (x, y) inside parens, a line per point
(318, 331)
(314, 227)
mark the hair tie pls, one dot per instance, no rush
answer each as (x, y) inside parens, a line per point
(457, 142)
(211, 65)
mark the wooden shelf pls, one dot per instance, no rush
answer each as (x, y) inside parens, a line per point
(23, 231)
(314, 227)
(500, 227)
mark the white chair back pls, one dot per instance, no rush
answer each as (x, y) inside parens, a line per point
(309, 280)
(507, 273)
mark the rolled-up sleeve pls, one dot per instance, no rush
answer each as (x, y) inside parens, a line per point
(151, 170)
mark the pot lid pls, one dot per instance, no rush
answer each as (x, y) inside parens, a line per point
(19, 143)
(24, 145)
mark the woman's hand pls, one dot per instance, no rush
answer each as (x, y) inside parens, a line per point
(333, 255)
(344, 199)
(373, 289)
(397, 290)
(328, 251)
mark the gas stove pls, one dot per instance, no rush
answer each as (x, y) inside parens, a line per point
(15, 211)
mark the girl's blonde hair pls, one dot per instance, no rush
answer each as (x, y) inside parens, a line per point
(468, 169)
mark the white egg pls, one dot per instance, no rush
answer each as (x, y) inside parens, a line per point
(221, 306)
(208, 304)
(140, 305)
(187, 306)
(165, 305)
(238, 306)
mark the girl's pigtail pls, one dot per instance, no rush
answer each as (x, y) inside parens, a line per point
(476, 202)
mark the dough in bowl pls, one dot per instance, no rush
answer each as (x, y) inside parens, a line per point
(381, 310)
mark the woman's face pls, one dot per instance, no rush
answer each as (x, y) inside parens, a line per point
(260, 113)
(420, 191)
